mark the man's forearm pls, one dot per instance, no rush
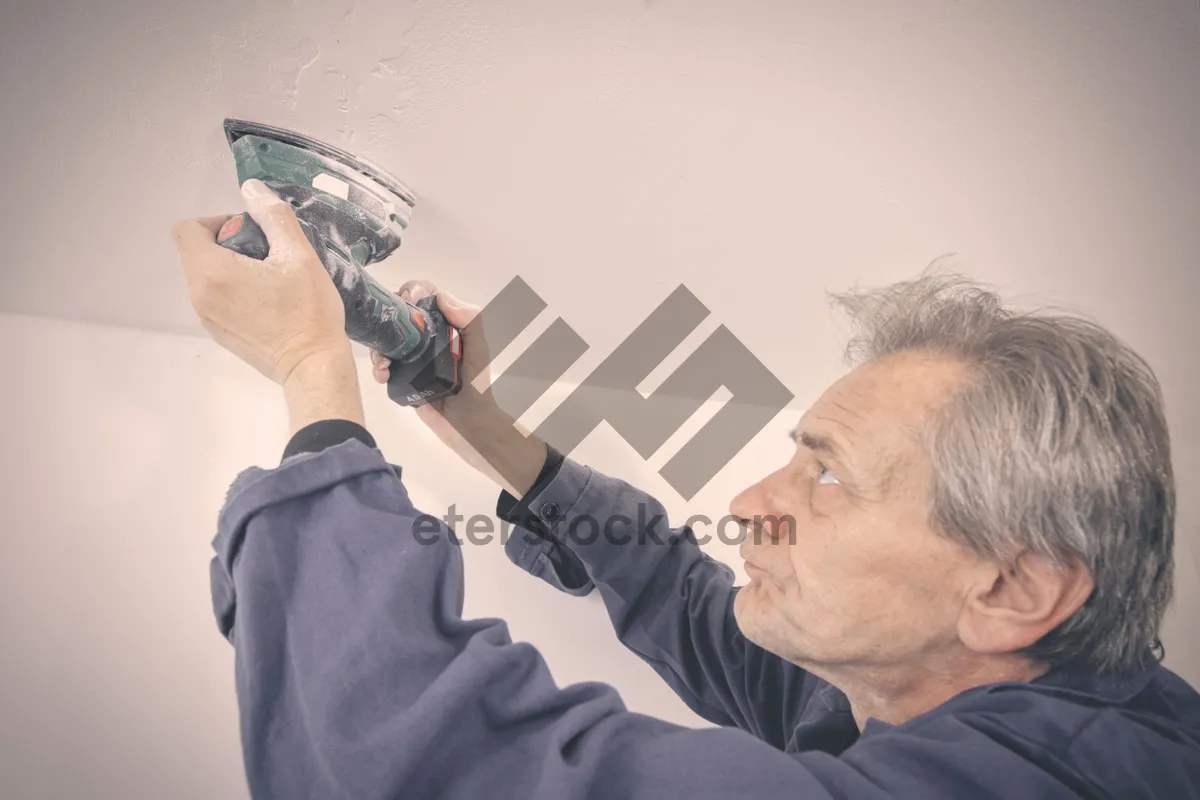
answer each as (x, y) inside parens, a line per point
(505, 451)
(324, 386)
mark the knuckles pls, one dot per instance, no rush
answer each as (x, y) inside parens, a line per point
(417, 288)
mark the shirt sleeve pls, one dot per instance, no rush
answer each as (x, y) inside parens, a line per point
(533, 547)
(357, 676)
(669, 602)
(325, 433)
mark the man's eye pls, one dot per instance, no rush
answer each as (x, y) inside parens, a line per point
(822, 471)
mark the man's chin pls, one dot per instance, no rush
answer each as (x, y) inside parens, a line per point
(751, 610)
(761, 622)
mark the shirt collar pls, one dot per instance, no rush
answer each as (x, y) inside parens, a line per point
(1116, 688)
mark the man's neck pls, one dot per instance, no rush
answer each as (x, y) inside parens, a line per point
(896, 695)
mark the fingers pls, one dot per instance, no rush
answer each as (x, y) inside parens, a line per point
(414, 290)
(275, 217)
(213, 224)
(410, 292)
(469, 321)
(457, 313)
(200, 232)
(381, 366)
(203, 270)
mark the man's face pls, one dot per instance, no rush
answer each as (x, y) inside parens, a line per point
(852, 574)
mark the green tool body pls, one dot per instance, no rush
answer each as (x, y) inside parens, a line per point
(353, 214)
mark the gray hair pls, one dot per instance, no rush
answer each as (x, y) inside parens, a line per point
(1056, 443)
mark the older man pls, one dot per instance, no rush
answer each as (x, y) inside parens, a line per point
(957, 580)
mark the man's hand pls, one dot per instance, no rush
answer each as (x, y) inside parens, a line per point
(283, 315)
(272, 314)
(470, 423)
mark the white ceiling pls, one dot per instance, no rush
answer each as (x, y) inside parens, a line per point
(757, 152)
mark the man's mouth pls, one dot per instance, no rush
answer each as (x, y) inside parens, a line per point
(752, 569)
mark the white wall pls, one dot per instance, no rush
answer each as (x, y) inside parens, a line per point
(118, 448)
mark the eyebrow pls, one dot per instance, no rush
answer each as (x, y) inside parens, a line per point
(818, 444)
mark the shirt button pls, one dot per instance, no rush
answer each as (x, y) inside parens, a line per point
(549, 511)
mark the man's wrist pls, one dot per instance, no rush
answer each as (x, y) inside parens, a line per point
(511, 455)
(324, 385)
(520, 463)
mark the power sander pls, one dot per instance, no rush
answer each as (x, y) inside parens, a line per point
(353, 214)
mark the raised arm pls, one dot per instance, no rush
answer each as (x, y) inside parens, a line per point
(357, 677)
(669, 601)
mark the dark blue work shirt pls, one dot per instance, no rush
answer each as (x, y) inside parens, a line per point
(357, 677)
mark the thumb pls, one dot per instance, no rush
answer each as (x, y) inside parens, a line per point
(275, 217)
(469, 321)
(456, 312)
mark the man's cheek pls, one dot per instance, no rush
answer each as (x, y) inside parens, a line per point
(819, 557)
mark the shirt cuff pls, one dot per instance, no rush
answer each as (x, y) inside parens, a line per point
(327, 433)
(539, 552)
(510, 509)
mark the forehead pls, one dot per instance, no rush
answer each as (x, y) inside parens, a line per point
(876, 412)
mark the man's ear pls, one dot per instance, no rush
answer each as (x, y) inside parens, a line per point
(1012, 606)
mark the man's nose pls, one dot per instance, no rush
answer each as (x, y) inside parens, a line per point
(755, 509)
